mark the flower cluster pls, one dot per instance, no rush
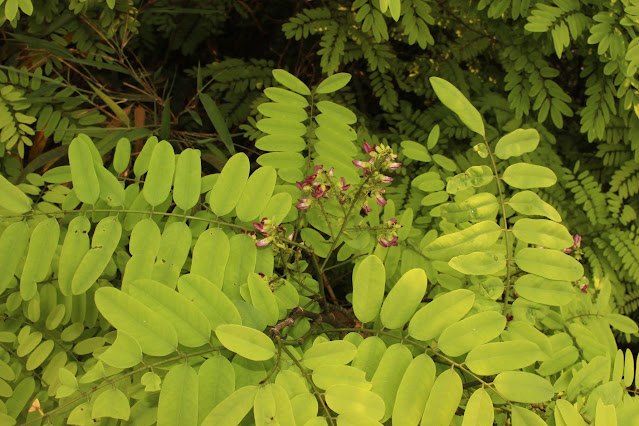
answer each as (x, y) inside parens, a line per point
(318, 185)
(382, 158)
(388, 237)
(273, 233)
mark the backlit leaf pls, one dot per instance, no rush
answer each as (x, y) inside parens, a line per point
(478, 263)
(523, 417)
(369, 282)
(524, 387)
(541, 290)
(179, 397)
(256, 194)
(493, 358)
(332, 83)
(155, 334)
(335, 352)
(326, 376)
(246, 342)
(517, 143)
(463, 336)
(389, 374)
(111, 403)
(454, 100)
(188, 170)
(354, 400)
(403, 299)
(233, 409)
(524, 176)
(210, 300)
(84, 177)
(42, 247)
(551, 264)
(479, 411)
(429, 322)
(529, 203)
(414, 390)
(216, 379)
(229, 186)
(12, 199)
(13, 243)
(474, 238)
(443, 400)
(159, 178)
(543, 232)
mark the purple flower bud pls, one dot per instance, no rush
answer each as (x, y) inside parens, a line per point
(386, 179)
(300, 185)
(304, 203)
(367, 209)
(577, 241)
(259, 226)
(392, 221)
(584, 288)
(380, 200)
(360, 164)
(368, 148)
(318, 168)
(331, 172)
(568, 251)
(383, 242)
(344, 187)
(395, 166)
(318, 193)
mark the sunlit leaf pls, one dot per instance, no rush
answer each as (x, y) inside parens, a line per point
(246, 342)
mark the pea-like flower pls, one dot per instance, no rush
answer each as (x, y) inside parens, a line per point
(576, 244)
(273, 233)
(388, 237)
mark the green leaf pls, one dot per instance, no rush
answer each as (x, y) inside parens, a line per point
(216, 305)
(188, 179)
(551, 264)
(117, 110)
(216, 379)
(493, 358)
(42, 247)
(414, 390)
(12, 199)
(233, 409)
(287, 143)
(567, 413)
(125, 352)
(211, 241)
(111, 190)
(192, 327)
(524, 387)
(369, 354)
(463, 336)
(13, 243)
(284, 111)
(369, 282)
(622, 323)
(336, 352)
(529, 203)
(289, 81)
(122, 155)
(354, 400)
(415, 151)
(278, 207)
(246, 342)
(272, 404)
(179, 397)
(337, 111)
(281, 126)
(151, 382)
(429, 322)
(81, 415)
(395, 9)
(326, 376)
(284, 96)
(60, 174)
(111, 403)
(454, 100)
(331, 84)
(103, 244)
(159, 178)
(475, 176)
(541, 290)
(256, 194)
(606, 414)
(523, 417)
(262, 298)
(443, 400)
(218, 121)
(479, 410)
(478, 263)
(403, 299)
(389, 373)
(229, 186)
(74, 248)
(155, 334)
(517, 143)
(11, 9)
(543, 232)
(85, 180)
(141, 164)
(524, 176)
(478, 207)
(480, 236)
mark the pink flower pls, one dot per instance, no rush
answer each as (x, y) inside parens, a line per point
(380, 200)
(367, 209)
(388, 242)
(360, 164)
(304, 204)
(368, 148)
(394, 166)
(343, 186)
(577, 241)
(386, 179)
(584, 288)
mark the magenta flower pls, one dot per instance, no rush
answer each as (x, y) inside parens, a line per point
(388, 242)
(304, 204)
(386, 179)
(367, 209)
(368, 148)
(394, 166)
(344, 186)
(360, 164)
(577, 240)
(584, 288)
